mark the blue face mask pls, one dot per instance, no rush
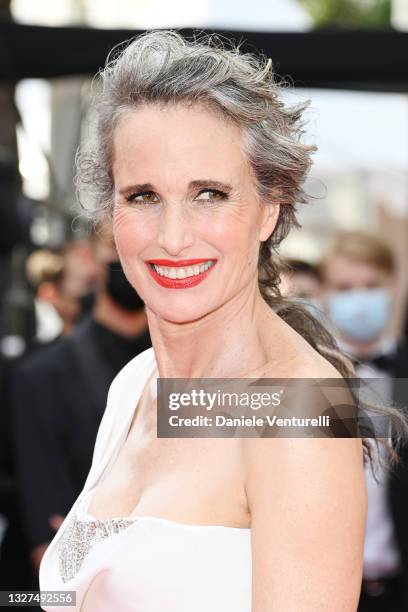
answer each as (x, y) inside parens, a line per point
(360, 314)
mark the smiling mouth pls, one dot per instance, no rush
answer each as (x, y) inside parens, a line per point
(181, 274)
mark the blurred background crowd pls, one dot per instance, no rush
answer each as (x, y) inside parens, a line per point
(69, 320)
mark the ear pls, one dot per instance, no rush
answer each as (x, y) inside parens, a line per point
(270, 216)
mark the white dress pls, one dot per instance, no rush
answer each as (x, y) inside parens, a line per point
(143, 564)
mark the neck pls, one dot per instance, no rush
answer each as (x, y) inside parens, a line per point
(227, 342)
(124, 322)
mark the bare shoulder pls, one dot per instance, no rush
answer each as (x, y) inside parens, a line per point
(306, 365)
(307, 501)
(292, 356)
(310, 453)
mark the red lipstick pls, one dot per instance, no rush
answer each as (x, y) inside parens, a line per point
(178, 283)
(184, 263)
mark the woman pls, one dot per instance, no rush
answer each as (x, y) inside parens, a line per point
(199, 164)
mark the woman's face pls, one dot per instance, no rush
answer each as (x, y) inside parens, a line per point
(183, 191)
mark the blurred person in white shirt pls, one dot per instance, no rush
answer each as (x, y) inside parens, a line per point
(60, 278)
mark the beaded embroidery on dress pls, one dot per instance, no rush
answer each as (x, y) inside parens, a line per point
(80, 537)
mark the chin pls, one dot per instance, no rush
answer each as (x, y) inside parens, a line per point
(180, 311)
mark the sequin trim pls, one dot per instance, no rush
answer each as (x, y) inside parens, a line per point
(79, 538)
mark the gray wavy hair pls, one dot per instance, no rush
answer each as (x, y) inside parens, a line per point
(162, 67)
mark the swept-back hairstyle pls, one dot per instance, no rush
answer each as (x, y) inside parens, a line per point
(161, 67)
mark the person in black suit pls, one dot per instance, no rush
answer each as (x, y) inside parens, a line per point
(59, 397)
(358, 273)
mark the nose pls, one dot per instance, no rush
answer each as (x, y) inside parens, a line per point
(175, 231)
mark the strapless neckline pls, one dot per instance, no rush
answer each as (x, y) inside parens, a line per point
(82, 514)
(86, 530)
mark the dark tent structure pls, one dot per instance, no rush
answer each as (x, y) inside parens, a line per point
(342, 59)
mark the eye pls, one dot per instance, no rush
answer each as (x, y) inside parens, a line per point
(143, 197)
(216, 195)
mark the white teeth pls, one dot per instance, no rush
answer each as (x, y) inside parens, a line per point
(183, 272)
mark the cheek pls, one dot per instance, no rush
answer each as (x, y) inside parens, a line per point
(239, 257)
(238, 237)
(131, 232)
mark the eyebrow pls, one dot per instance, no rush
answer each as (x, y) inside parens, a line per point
(192, 185)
